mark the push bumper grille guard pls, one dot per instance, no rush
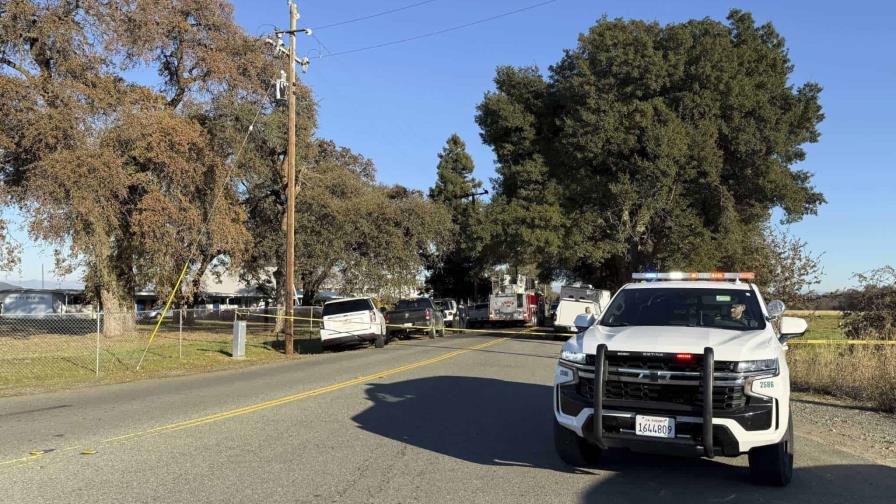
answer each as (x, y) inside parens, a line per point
(600, 377)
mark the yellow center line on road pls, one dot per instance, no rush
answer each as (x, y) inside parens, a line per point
(269, 404)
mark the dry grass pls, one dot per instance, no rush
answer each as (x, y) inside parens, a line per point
(865, 373)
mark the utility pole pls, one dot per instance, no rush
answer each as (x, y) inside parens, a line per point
(290, 183)
(290, 164)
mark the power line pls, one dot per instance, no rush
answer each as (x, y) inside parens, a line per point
(442, 31)
(322, 45)
(371, 16)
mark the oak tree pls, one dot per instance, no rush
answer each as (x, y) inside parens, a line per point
(650, 146)
(129, 179)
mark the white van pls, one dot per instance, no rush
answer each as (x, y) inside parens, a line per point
(569, 310)
(354, 320)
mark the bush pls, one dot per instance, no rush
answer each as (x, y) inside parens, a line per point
(874, 312)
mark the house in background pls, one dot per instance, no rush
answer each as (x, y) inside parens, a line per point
(222, 292)
(217, 293)
(18, 301)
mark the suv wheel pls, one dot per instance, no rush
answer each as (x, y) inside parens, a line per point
(432, 332)
(574, 450)
(773, 464)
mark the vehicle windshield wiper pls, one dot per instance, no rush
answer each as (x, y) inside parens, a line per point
(621, 324)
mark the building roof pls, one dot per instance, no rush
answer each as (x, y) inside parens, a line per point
(13, 288)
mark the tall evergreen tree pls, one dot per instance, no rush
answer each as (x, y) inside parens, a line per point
(455, 274)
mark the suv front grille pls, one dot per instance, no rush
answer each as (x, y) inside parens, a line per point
(724, 398)
(661, 362)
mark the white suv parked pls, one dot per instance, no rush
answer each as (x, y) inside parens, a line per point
(354, 320)
(687, 367)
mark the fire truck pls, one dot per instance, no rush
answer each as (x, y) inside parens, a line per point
(513, 301)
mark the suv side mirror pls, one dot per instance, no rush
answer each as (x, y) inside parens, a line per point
(776, 309)
(583, 321)
(792, 327)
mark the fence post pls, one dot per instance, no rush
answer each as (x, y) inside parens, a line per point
(238, 345)
(180, 334)
(98, 315)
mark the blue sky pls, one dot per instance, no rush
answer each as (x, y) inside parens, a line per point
(398, 104)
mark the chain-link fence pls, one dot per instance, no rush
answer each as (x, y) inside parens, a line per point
(40, 351)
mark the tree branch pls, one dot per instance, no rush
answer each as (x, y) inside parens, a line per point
(17, 67)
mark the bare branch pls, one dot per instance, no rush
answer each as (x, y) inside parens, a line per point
(17, 67)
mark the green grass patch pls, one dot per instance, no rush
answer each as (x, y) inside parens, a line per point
(822, 324)
(32, 362)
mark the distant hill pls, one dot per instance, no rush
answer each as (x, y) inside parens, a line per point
(7, 286)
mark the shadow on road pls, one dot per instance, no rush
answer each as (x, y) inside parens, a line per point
(502, 423)
(652, 478)
(303, 346)
(480, 420)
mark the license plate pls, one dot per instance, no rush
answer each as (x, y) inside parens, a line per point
(651, 426)
(407, 324)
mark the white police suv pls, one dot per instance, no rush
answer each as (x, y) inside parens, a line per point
(681, 363)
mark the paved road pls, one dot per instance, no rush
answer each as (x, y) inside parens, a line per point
(461, 419)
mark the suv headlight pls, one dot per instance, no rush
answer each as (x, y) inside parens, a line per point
(576, 357)
(757, 365)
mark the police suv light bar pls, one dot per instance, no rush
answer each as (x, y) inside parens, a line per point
(680, 275)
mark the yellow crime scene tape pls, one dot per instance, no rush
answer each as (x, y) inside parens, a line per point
(841, 342)
(538, 333)
(456, 329)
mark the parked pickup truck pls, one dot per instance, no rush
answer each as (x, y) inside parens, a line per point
(415, 316)
(475, 315)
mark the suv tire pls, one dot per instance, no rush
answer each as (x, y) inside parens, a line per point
(432, 332)
(380, 341)
(773, 464)
(574, 450)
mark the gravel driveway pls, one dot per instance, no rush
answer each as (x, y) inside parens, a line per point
(850, 426)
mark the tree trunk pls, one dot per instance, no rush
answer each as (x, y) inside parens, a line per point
(119, 317)
(195, 289)
(308, 293)
(116, 288)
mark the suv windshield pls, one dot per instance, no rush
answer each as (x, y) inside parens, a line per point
(349, 306)
(689, 307)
